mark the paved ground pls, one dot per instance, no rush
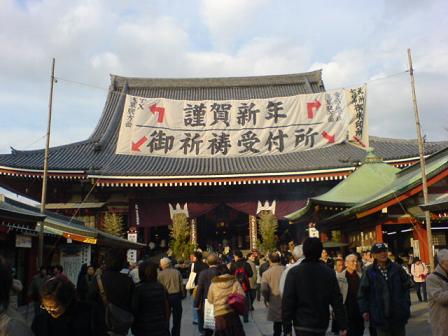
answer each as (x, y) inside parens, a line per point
(258, 326)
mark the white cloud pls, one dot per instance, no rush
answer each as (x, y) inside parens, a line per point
(261, 56)
(227, 20)
(347, 68)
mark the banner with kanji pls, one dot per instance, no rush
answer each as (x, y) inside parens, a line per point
(231, 128)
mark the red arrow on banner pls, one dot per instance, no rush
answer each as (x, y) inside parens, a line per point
(311, 106)
(157, 109)
(330, 138)
(136, 145)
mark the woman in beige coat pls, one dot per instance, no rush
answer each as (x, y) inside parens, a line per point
(437, 286)
(227, 322)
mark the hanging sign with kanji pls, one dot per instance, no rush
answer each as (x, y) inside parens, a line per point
(230, 128)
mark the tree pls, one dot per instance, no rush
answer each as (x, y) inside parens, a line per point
(113, 224)
(268, 224)
(180, 242)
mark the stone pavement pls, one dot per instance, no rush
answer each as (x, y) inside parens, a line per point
(259, 326)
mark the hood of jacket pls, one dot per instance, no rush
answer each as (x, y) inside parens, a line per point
(224, 281)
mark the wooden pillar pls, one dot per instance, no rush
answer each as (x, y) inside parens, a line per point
(194, 231)
(420, 234)
(253, 232)
(379, 233)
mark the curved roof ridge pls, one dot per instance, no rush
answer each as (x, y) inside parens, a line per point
(265, 80)
(40, 150)
(396, 140)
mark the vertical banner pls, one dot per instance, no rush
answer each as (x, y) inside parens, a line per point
(253, 232)
(231, 128)
(194, 231)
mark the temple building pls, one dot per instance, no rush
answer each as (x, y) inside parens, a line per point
(220, 194)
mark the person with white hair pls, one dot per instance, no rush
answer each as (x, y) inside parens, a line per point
(297, 255)
(349, 280)
(171, 279)
(437, 287)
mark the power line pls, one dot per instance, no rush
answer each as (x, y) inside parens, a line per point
(81, 83)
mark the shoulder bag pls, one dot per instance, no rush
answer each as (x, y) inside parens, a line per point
(117, 319)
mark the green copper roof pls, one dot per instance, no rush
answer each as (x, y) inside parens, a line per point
(364, 182)
(404, 181)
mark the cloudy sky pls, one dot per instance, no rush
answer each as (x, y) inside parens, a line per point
(352, 41)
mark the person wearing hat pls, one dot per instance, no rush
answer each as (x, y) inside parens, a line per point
(171, 279)
(384, 294)
(437, 285)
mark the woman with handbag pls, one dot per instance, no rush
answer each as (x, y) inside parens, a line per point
(226, 292)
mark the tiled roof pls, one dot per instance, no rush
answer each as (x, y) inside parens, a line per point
(96, 155)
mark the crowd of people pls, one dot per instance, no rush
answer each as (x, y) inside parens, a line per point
(304, 291)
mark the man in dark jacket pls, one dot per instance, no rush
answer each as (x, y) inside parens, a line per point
(204, 282)
(242, 270)
(383, 295)
(310, 289)
(118, 287)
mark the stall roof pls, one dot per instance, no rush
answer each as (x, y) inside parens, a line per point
(64, 226)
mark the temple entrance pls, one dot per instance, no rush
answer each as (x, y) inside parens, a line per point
(223, 227)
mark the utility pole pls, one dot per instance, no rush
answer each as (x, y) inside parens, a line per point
(421, 150)
(45, 173)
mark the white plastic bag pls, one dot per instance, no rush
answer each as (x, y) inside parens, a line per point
(366, 329)
(209, 315)
(190, 283)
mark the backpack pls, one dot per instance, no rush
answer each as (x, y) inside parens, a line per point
(117, 319)
(243, 279)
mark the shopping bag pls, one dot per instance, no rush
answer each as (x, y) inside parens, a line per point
(190, 283)
(209, 315)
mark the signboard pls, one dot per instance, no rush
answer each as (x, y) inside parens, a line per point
(23, 241)
(71, 260)
(312, 231)
(132, 254)
(234, 128)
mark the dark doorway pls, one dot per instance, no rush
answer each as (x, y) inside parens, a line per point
(223, 227)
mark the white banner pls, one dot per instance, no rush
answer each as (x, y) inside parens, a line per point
(181, 128)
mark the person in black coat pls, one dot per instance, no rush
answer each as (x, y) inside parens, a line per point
(64, 314)
(384, 294)
(198, 266)
(118, 287)
(82, 287)
(310, 289)
(204, 282)
(150, 304)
